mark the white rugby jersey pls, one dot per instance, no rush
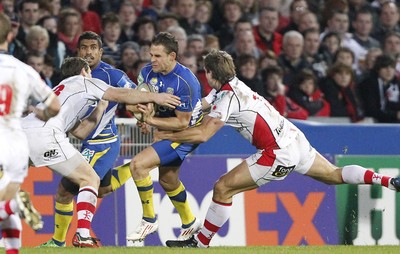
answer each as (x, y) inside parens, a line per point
(78, 97)
(251, 115)
(18, 82)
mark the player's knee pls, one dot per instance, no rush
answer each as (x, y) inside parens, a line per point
(137, 168)
(221, 190)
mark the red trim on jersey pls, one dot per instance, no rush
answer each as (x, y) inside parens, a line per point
(10, 233)
(226, 87)
(263, 138)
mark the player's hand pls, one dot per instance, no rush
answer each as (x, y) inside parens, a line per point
(147, 111)
(166, 99)
(144, 127)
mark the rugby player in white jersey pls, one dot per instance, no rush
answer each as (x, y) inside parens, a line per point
(282, 147)
(50, 145)
(18, 82)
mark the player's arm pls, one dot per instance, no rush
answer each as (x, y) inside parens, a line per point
(84, 128)
(198, 134)
(51, 108)
(133, 96)
(177, 123)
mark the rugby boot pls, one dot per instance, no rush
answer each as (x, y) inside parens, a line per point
(190, 243)
(145, 228)
(187, 233)
(85, 242)
(27, 211)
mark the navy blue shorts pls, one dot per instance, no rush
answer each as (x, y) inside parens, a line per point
(101, 156)
(172, 153)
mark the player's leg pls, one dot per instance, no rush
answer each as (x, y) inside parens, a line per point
(322, 170)
(102, 158)
(11, 231)
(119, 175)
(140, 166)
(174, 188)
(83, 175)
(235, 181)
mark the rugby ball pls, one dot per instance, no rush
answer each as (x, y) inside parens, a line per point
(144, 87)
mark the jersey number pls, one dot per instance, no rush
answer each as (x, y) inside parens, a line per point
(5, 99)
(58, 89)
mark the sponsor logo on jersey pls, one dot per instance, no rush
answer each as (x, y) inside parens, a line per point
(87, 154)
(170, 90)
(51, 154)
(282, 171)
(154, 81)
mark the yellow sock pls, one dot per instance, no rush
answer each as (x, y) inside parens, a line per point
(146, 189)
(62, 219)
(179, 200)
(120, 175)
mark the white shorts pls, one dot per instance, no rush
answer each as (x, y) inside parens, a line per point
(14, 158)
(273, 165)
(50, 147)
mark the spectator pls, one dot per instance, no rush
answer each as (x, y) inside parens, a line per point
(388, 21)
(312, 54)
(266, 60)
(370, 58)
(189, 60)
(306, 93)
(127, 15)
(56, 48)
(28, 13)
(196, 44)
(37, 40)
(247, 71)
(145, 29)
(166, 20)
(51, 75)
(155, 9)
(211, 41)
(69, 29)
(308, 20)
(265, 33)
(245, 44)
(186, 9)
(35, 60)
(55, 7)
(339, 90)
(90, 20)
(329, 45)
(180, 35)
(361, 41)
(345, 56)
(275, 92)
(202, 16)
(297, 7)
(111, 27)
(250, 10)
(144, 51)
(241, 25)
(381, 91)
(232, 12)
(129, 57)
(338, 22)
(292, 60)
(16, 47)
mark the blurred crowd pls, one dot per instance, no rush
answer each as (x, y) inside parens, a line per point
(325, 58)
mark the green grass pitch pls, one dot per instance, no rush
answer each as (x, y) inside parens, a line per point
(331, 249)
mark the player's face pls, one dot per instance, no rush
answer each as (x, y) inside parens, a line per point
(91, 52)
(161, 62)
